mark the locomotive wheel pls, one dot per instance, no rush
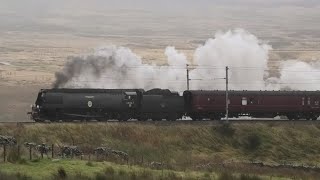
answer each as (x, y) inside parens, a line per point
(195, 118)
(142, 118)
(172, 117)
(291, 117)
(123, 118)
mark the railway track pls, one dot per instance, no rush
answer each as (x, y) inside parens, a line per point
(180, 122)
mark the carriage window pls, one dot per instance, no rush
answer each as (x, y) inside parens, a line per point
(251, 100)
(244, 101)
(309, 101)
(316, 102)
(303, 101)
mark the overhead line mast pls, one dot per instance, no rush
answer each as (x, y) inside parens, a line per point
(227, 95)
(188, 79)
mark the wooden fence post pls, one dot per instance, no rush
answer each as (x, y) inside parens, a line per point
(4, 153)
(142, 160)
(30, 153)
(19, 156)
(52, 151)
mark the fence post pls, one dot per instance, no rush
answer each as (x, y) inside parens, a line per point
(142, 160)
(128, 162)
(4, 153)
(30, 153)
(19, 152)
(52, 151)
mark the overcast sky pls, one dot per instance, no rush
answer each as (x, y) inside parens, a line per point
(146, 16)
(35, 6)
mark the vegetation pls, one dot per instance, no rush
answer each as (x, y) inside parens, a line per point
(77, 169)
(179, 148)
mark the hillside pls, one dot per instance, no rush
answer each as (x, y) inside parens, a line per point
(244, 148)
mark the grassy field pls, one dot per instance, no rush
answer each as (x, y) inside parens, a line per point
(77, 169)
(185, 148)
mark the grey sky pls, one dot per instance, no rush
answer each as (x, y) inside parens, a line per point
(197, 18)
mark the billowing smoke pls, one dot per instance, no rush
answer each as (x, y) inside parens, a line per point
(299, 75)
(119, 67)
(237, 49)
(247, 57)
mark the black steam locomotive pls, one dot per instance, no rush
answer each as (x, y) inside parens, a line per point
(158, 104)
(105, 104)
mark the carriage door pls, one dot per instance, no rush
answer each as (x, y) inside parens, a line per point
(244, 103)
(316, 103)
(306, 102)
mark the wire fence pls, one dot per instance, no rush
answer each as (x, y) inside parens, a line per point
(13, 151)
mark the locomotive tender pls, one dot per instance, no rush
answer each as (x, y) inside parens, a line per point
(158, 104)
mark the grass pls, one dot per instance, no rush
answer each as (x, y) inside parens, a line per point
(187, 147)
(77, 169)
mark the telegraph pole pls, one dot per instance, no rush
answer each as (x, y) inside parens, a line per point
(227, 98)
(188, 77)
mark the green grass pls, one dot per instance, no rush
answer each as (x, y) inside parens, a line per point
(75, 169)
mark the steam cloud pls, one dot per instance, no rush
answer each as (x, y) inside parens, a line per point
(247, 57)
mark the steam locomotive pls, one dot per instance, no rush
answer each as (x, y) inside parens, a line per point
(159, 104)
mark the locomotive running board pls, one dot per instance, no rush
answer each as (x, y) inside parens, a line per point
(84, 116)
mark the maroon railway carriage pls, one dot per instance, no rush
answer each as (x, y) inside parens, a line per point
(293, 104)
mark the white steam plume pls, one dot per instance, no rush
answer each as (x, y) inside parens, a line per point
(298, 75)
(247, 57)
(238, 49)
